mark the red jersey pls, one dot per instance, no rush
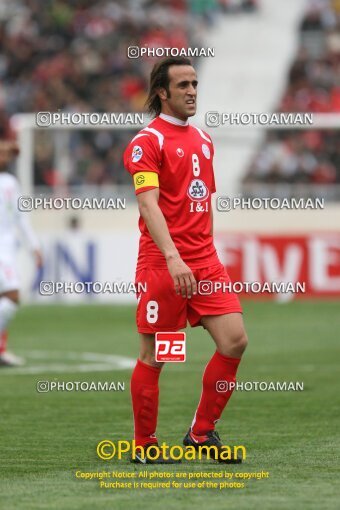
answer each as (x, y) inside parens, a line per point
(179, 160)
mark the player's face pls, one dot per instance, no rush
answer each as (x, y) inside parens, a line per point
(181, 102)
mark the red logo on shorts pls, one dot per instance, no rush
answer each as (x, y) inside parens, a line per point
(170, 347)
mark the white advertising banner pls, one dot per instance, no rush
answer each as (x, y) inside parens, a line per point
(81, 267)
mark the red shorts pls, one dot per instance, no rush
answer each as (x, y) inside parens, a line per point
(161, 309)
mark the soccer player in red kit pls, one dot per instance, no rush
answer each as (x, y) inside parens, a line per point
(171, 162)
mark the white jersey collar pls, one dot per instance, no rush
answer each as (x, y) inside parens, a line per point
(174, 120)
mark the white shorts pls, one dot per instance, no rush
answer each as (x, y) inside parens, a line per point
(9, 278)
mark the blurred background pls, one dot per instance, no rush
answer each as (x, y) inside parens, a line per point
(282, 56)
(270, 56)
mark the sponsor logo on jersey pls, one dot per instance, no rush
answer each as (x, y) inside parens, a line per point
(137, 153)
(197, 190)
(206, 151)
(180, 152)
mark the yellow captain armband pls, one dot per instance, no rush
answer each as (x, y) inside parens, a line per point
(145, 179)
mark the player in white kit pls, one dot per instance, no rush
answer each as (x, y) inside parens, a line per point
(11, 219)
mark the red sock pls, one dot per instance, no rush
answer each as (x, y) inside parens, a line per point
(144, 393)
(3, 341)
(212, 402)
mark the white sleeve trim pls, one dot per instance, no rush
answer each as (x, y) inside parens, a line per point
(158, 134)
(138, 136)
(202, 134)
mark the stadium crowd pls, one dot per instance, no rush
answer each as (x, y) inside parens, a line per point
(313, 86)
(70, 55)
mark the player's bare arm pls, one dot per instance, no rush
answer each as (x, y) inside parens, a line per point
(184, 280)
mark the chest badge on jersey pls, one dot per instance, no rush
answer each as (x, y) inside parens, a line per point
(206, 151)
(197, 190)
(137, 153)
(180, 152)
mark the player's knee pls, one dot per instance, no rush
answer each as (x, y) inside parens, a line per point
(148, 357)
(242, 341)
(235, 344)
(12, 295)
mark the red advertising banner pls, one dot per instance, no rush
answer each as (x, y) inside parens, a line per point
(312, 259)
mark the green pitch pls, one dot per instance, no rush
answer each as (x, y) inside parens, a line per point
(46, 437)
